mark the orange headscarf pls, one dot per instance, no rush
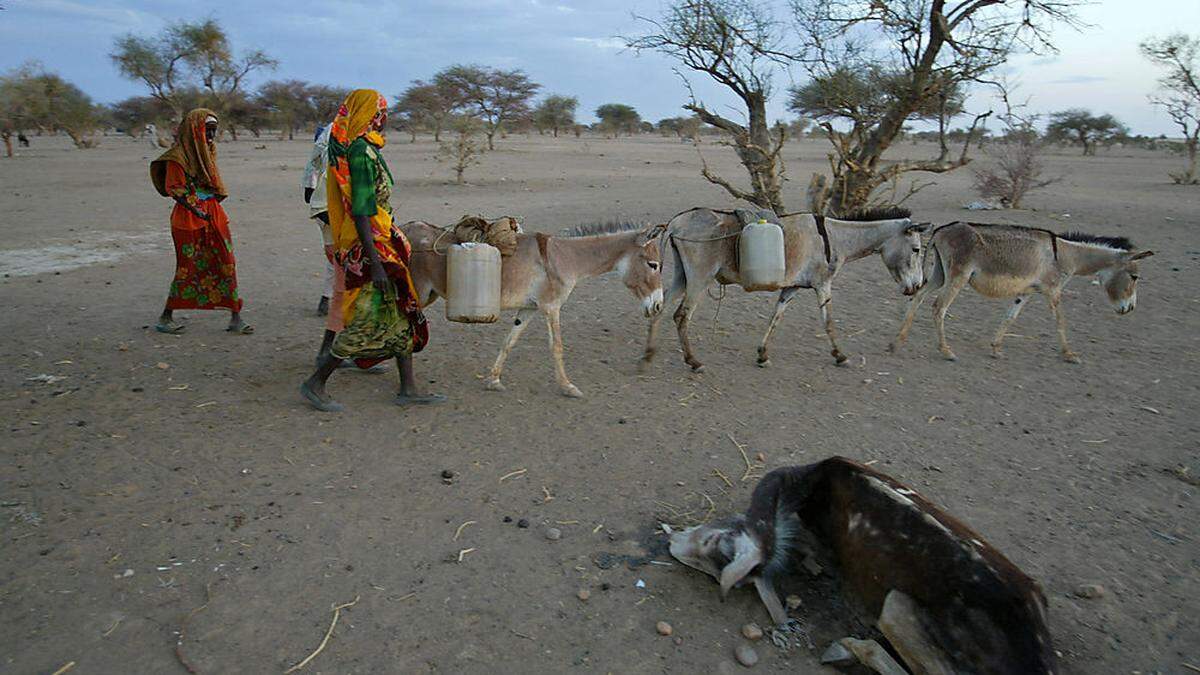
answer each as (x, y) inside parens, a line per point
(194, 153)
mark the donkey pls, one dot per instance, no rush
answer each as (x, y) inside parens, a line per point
(1009, 261)
(543, 271)
(704, 247)
(946, 599)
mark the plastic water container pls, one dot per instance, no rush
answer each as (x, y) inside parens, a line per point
(473, 283)
(761, 263)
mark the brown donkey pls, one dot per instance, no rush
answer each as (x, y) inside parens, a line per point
(1009, 261)
(543, 271)
(704, 247)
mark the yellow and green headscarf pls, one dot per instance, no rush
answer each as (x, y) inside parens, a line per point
(352, 122)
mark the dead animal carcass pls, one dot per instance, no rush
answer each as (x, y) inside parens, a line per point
(946, 600)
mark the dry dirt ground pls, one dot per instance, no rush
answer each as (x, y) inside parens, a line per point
(169, 482)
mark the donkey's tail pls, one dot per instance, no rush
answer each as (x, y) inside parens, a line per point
(678, 273)
(936, 277)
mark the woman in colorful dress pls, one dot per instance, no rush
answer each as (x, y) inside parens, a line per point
(205, 270)
(380, 311)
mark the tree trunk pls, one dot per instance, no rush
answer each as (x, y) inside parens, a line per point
(1189, 176)
(491, 134)
(556, 131)
(8, 151)
(412, 134)
(232, 133)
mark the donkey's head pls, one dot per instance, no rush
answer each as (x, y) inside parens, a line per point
(903, 255)
(1120, 280)
(640, 267)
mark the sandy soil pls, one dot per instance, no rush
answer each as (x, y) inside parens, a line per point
(166, 474)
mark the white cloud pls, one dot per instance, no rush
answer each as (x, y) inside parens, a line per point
(602, 43)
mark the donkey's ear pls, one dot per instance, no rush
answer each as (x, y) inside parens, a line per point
(1140, 254)
(747, 556)
(918, 227)
(652, 233)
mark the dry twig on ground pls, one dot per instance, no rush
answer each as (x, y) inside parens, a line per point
(337, 612)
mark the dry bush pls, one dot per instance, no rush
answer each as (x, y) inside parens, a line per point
(1017, 170)
(463, 149)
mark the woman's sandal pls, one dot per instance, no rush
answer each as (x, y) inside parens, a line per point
(170, 327)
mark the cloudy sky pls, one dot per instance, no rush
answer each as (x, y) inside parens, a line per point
(569, 46)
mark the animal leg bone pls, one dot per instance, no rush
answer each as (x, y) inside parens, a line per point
(900, 623)
(848, 650)
(766, 593)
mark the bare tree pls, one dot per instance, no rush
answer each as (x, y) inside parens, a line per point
(427, 104)
(737, 44)
(157, 62)
(920, 53)
(1081, 126)
(289, 103)
(188, 54)
(494, 96)
(462, 150)
(31, 97)
(1179, 92)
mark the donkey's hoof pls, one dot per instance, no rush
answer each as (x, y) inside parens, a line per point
(643, 366)
(949, 355)
(763, 363)
(697, 367)
(494, 385)
(840, 359)
(1071, 357)
(571, 391)
(892, 348)
(996, 353)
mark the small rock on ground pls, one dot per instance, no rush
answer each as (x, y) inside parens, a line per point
(553, 533)
(663, 628)
(1089, 591)
(751, 631)
(583, 595)
(746, 655)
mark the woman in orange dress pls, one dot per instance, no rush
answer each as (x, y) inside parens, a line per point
(205, 270)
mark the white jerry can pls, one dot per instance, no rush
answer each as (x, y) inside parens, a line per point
(473, 283)
(761, 262)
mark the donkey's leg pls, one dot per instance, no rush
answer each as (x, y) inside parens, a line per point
(519, 325)
(940, 305)
(556, 348)
(785, 296)
(683, 317)
(1054, 296)
(652, 333)
(1013, 311)
(937, 278)
(824, 300)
